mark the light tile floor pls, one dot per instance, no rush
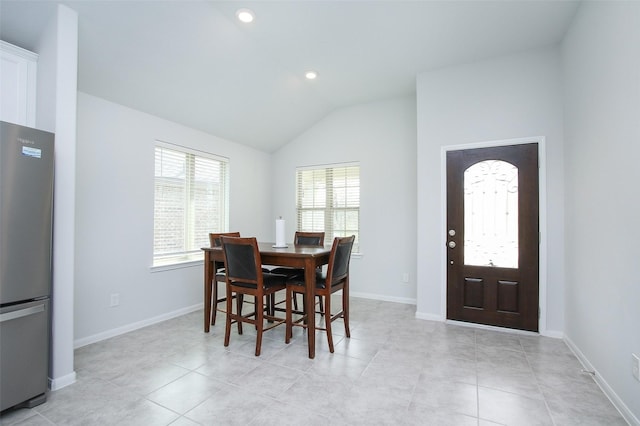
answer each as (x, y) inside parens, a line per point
(394, 370)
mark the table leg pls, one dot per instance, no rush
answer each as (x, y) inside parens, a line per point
(208, 276)
(310, 283)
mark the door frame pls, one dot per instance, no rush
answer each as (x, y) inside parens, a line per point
(542, 214)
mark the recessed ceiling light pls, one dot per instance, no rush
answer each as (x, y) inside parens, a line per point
(245, 15)
(311, 75)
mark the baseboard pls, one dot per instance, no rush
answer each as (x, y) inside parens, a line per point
(372, 296)
(552, 333)
(608, 391)
(429, 317)
(134, 326)
(61, 382)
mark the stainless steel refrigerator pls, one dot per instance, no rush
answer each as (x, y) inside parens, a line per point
(26, 199)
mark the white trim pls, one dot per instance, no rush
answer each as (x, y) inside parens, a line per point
(27, 61)
(61, 382)
(329, 226)
(328, 166)
(373, 296)
(19, 51)
(555, 334)
(176, 265)
(429, 317)
(604, 386)
(190, 258)
(134, 326)
(542, 207)
(188, 150)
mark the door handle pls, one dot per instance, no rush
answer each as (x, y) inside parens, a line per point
(21, 313)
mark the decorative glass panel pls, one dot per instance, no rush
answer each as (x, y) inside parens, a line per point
(491, 214)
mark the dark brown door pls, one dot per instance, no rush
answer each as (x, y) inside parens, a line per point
(493, 236)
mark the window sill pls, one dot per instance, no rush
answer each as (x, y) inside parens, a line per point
(171, 264)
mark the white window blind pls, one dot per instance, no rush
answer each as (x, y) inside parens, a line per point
(328, 199)
(190, 200)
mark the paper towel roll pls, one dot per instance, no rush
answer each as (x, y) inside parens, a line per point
(280, 233)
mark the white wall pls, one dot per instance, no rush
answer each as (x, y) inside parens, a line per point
(601, 55)
(382, 137)
(506, 98)
(56, 112)
(114, 217)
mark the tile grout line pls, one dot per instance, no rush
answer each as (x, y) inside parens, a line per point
(544, 397)
(475, 347)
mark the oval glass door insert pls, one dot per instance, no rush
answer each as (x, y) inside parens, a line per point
(491, 214)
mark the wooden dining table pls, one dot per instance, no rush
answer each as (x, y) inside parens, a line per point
(304, 257)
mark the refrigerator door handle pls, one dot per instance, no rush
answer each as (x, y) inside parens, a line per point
(21, 313)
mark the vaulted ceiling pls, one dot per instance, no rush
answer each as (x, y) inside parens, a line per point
(194, 63)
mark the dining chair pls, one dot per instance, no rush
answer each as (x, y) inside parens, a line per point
(245, 276)
(310, 239)
(219, 275)
(336, 279)
(313, 239)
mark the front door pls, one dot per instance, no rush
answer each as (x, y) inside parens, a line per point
(493, 236)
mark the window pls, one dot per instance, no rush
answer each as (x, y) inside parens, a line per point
(491, 214)
(191, 199)
(328, 199)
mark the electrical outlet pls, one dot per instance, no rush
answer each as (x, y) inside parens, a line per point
(115, 299)
(635, 368)
(405, 277)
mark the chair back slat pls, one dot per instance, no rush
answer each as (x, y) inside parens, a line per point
(309, 239)
(214, 238)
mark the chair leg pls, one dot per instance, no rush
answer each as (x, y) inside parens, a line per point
(214, 300)
(227, 328)
(295, 302)
(255, 308)
(306, 315)
(345, 309)
(290, 294)
(271, 306)
(327, 321)
(239, 303)
(259, 327)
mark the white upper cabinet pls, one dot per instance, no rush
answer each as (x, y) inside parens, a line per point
(18, 73)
